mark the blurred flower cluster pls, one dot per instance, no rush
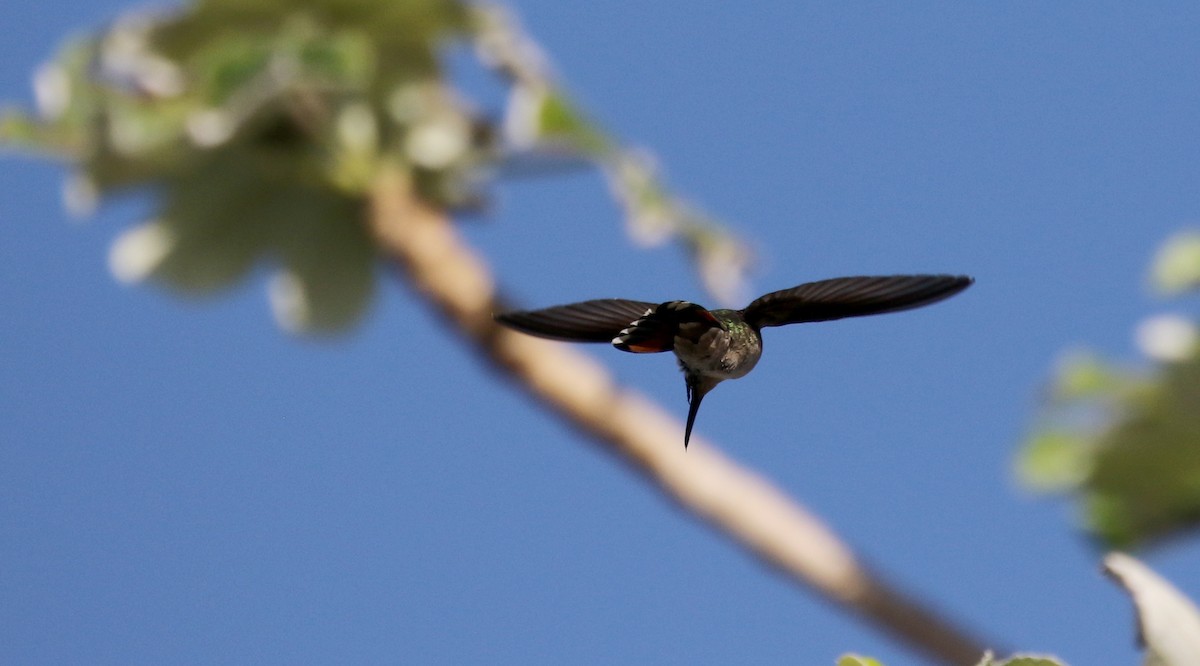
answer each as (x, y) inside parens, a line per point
(258, 127)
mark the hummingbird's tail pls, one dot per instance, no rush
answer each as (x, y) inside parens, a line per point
(655, 331)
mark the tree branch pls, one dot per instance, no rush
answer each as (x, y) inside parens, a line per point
(735, 501)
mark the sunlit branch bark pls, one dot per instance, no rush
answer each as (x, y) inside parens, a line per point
(735, 501)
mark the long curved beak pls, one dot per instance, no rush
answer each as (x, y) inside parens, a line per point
(697, 388)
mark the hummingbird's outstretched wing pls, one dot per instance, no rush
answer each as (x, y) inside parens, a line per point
(600, 320)
(851, 297)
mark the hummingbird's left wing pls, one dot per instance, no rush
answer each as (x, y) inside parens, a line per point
(600, 320)
(851, 297)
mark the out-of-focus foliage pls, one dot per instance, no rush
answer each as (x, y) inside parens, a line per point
(1021, 660)
(1168, 622)
(857, 660)
(259, 125)
(988, 660)
(1177, 267)
(1126, 440)
(541, 115)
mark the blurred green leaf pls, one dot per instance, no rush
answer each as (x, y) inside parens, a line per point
(1054, 461)
(218, 224)
(857, 660)
(329, 264)
(1145, 479)
(220, 219)
(404, 34)
(1176, 269)
(1082, 375)
(560, 120)
(20, 130)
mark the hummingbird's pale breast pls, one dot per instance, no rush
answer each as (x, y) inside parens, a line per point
(728, 351)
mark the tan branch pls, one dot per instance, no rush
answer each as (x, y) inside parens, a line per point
(735, 501)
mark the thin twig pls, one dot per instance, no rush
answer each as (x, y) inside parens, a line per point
(734, 500)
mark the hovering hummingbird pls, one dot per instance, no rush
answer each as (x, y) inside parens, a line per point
(715, 345)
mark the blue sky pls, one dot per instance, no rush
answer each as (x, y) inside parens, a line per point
(180, 482)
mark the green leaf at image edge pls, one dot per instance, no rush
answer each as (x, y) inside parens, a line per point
(857, 660)
(1176, 269)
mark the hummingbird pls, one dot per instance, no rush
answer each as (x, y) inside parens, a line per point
(715, 345)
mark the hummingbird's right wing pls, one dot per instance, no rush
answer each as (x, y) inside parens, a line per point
(851, 297)
(600, 320)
